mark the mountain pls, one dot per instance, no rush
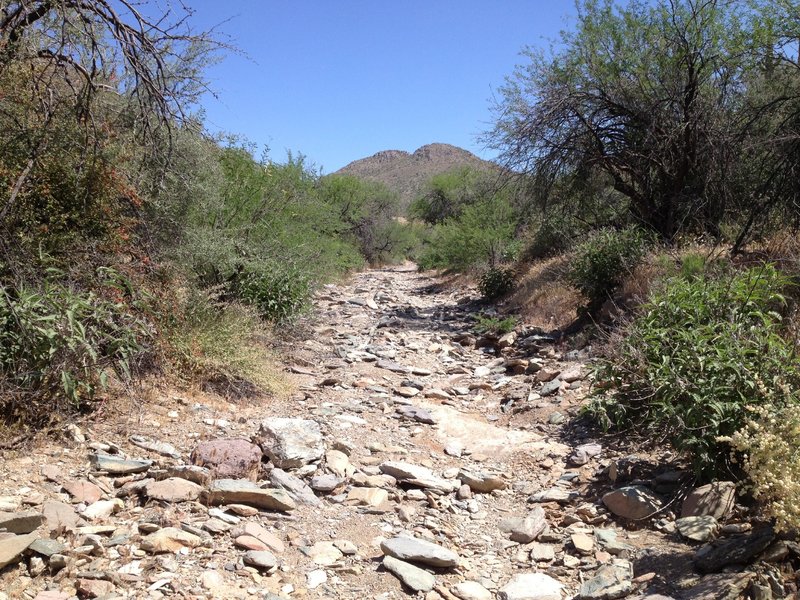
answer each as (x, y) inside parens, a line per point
(407, 173)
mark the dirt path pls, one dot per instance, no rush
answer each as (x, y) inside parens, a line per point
(402, 427)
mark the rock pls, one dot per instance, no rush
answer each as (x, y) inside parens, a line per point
(421, 551)
(94, 588)
(413, 577)
(418, 476)
(471, 590)
(47, 547)
(212, 580)
(698, 529)
(240, 491)
(21, 522)
(542, 552)
(228, 458)
(83, 491)
(736, 550)
(325, 483)
(545, 375)
(507, 340)
(52, 595)
(554, 494)
(338, 463)
(436, 394)
(407, 391)
(364, 496)
(291, 443)
(571, 375)
(11, 548)
(193, 473)
(416, 414)
(60, 517)
(248, 542)
(392, 366)
(550, 388)
(531, 586)
(314, 579)
(609, 582)
(259, 532)
(583, 543)
(162, 448)
(102, 509)
(296, 487)
(114, 465)
(714, 499)
(346, 547)
(584, 453)
(524, 530)
(481, 482)
(454, 448)
(325, 553)
(607, 538)
(173, 489)
(632, 502)
(169, 539)
(260, 559)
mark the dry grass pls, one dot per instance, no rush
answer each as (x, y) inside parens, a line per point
(542, 298)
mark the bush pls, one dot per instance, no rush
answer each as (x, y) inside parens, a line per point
(769, 444)
(701, 351)
(602, 262)
(496, 282)
(57, 345)
(278, 292)
(495, 325)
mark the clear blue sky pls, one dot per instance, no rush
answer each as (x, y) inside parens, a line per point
(339, 80)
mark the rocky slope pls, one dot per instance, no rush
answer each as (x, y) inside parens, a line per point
(407, 173)
(416, 457)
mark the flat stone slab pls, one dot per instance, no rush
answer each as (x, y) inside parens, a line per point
(20, 522)
(421, 551)
(633, 502)
(241, 491)
(413, 577)
(419, 476)
(11, 548)
(173, 489)
(609, 582)
(697, 529)
(114, 465)
(531, 586)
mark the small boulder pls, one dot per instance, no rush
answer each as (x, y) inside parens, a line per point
(291, 443)
(413, 577)
(228, 458)
(633, 502)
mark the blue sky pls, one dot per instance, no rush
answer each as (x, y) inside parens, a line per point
(339, 80)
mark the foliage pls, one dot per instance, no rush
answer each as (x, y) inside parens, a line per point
(769, 449)
(57, 344)
(279, 292)
(699, 353)
(496, 325)
(481, 234)
(448, 193)
(688, 110)
(602, 261)
(496, 282)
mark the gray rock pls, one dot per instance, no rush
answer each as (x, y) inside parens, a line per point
(736, 550)
(698, 529)
(11, 548)
(584, 453)
(416, 550)
(195, 474)
(162, 448)
(325, 483)
(550, 388)
(260, 559)
(531, 586)
(291, 443)
(416, 413)
(419, 476)
(20, 522)
(228, 458)
(114, 465)
(524, 530)
(554, 494)
(633, 502)
(413, 577)
(296, 487)
(392, 366)
(47, 547)
(241, 491)
(607, 538)
(611, 581)
(714, 499)
(471, 590)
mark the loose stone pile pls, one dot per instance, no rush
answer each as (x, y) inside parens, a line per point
(416, 458)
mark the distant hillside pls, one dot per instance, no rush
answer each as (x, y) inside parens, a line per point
(407, 173)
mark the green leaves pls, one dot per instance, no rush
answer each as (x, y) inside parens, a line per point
(700, 352)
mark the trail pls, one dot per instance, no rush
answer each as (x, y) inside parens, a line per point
(405, 425)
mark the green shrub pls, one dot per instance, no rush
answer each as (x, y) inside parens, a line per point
(57, 345)
(699, 353)
(496, 282)
(496, 325)
(278, 292)
(602, 261)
